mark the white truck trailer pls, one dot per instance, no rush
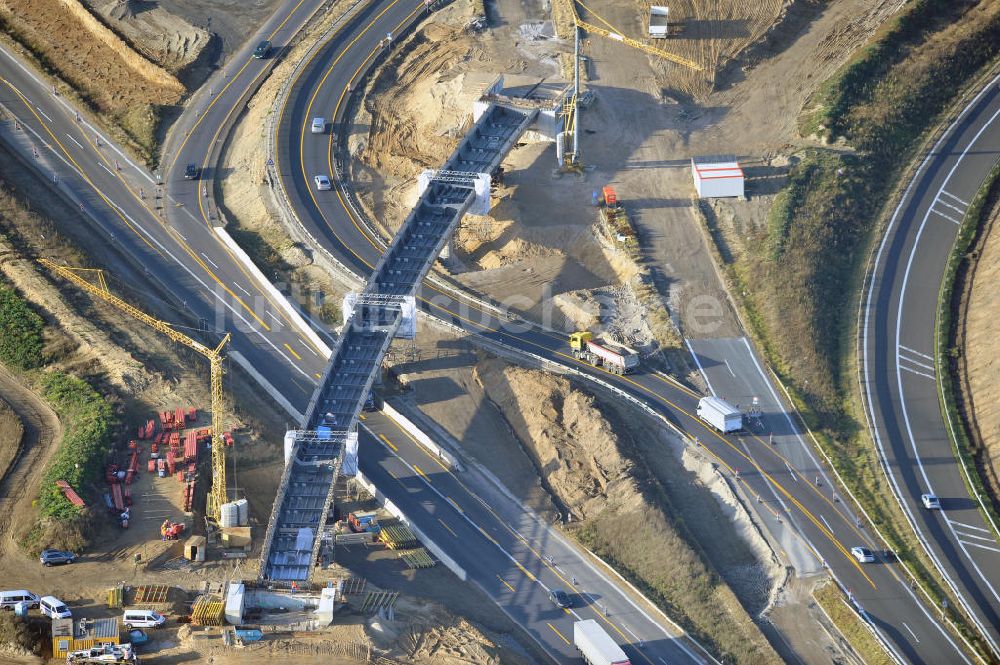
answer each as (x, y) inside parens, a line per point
(720, 414)
(659, 26)
(596, 646)
(612, 357)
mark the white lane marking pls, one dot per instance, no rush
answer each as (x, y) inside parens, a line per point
(180, 234)
(44, 113)
(918, 364)
(106, 168)
(826, 523)
(922, 355)
(913, 371)
(204, 256)
(982, 547)
(965, 203)
(948, 205)
(726, 360)
(700, 368)
(662, 661)
(276, 319)
(311, 350)
(70, 137)
(629, 631)
(238, 286)
(915, 638)
(969, 526)
(948, 217)
(795, 476)
(969, 535)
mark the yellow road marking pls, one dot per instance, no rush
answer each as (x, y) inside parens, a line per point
(292, 351)
(320, 376)
(447, 527)
(524, 570)
(455, 504)
(556, 631)
(389, 443)
(420, 471)
(507, 584)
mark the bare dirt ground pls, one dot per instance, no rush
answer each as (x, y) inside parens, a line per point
(981, 340)
(165, 38)
(11, 432)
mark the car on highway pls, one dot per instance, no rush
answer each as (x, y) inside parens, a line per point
(318, 125)
(863, 554)
(263, 50)
(560, 598)
(56, 557)
(190, 171)
(322, 182)
(930, 501)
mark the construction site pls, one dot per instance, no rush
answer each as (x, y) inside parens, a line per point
(355, 332)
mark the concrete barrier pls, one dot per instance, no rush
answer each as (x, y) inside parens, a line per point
(418, 435)
(395, 511)
(278, 297)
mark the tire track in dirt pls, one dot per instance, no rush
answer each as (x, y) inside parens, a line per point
(42, 430)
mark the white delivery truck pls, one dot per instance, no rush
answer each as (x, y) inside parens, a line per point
(658, 21)
(720, 414)
(596, 646)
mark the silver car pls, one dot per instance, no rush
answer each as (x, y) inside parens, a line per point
(322, 182)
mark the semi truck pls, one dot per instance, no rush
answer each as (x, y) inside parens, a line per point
(596, 646)
(720, 414)
(612, 357)
(659, 26)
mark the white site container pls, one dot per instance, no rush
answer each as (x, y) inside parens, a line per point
(659, 16)
(717, 178)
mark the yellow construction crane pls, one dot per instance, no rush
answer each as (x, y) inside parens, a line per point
(218, 495)
(570, 110)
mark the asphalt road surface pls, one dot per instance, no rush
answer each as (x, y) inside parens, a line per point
(900, 377)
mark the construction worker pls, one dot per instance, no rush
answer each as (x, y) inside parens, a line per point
(164, 528)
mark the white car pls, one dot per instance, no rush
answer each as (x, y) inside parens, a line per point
(318, 126)
(863, 554)
(142, 619)
(322, 182)
(930, 501)
(53, 608)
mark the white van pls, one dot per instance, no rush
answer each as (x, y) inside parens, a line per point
(53, 608)
(318, 126)
(8, 599)
(142, 619)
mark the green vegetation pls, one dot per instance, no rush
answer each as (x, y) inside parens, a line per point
(88, 424)
(851, 626)
(800, 277)
(949, 303)
(20, 332)
(265, 255)
(330, 313)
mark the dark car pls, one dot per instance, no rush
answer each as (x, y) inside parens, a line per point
(190, 172)
(263, 50)
(560, 598)
(370, 402)
(56, 557)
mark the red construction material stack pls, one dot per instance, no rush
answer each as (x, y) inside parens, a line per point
(228, 438)
(191, 447)
(128, 495)
(192, 414)
(204, 435)
(133, 467)
(175, 440)
(166, 420)
(116, 496)
(150, 428)
(179, 418)
(151, 466)
(68, 492)
(141, 433)
(189, 495)
(171, 462)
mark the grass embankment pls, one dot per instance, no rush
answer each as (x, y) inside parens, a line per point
(957, 282)
(851, 626)
(799, 277)
(87, 421)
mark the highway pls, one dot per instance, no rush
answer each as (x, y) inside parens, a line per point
(826, 527)
(900, 377)
(167, 231)
(179, 247)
